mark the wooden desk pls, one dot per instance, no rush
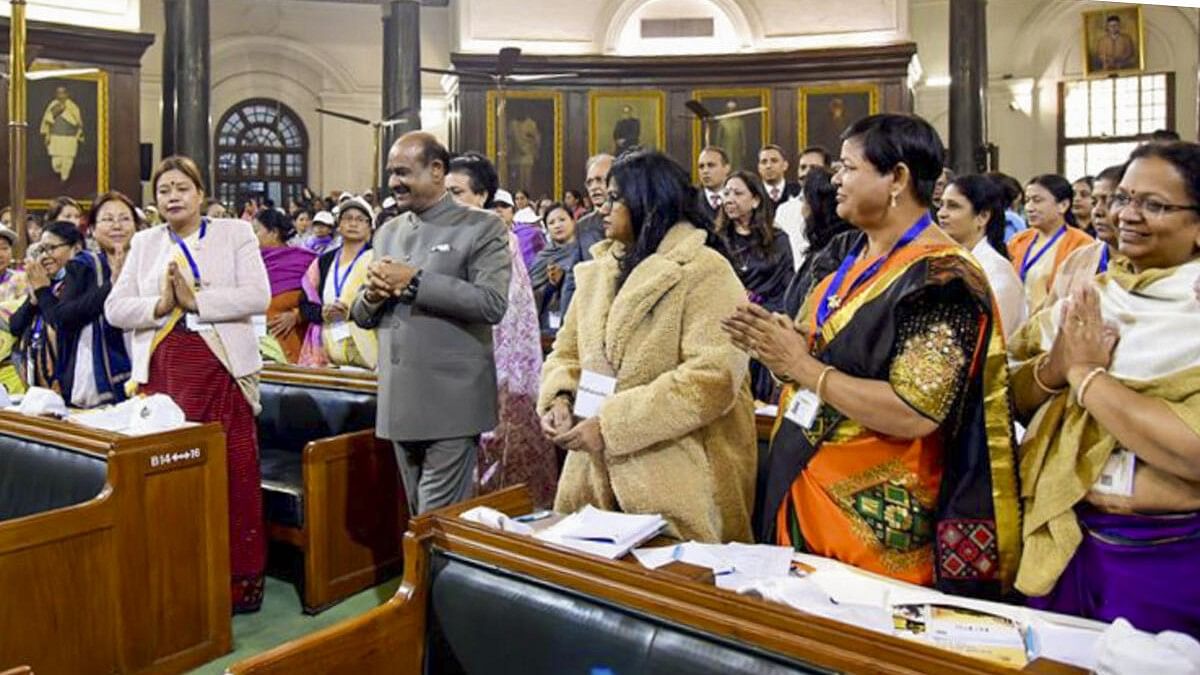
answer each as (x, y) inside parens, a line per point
(391, 637)
(329, 378)
(135, 580)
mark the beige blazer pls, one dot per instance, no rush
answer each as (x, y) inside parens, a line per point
(233, 288)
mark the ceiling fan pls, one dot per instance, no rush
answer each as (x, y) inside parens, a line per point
(378, 126)
(706, 117)
(502, 78)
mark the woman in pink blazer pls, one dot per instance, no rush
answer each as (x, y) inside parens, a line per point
(187, 292)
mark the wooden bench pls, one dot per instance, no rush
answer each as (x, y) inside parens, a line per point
(132, 579)
(331, 489)
(687, 625)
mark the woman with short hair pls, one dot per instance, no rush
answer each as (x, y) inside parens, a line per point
(894, 448)
(189, 290)
(675, 435)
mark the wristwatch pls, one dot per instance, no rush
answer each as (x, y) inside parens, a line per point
(410, 291)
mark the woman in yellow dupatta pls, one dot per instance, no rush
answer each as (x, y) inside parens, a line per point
(330, 285)
(1110, 466)
(893, 451)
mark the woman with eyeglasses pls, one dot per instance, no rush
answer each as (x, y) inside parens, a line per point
(1109, 380)
(893, 450)
(188, 292)
(330, 285)
(650, 400)
(1053, 234)
(45, 273)
(91, 363)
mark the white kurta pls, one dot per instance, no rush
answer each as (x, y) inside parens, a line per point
(1006, 287)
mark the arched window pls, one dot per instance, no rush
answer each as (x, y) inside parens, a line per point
(262, 150)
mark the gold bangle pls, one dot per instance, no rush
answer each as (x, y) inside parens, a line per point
(1041, 361)
(1087, 382)
(821, 381)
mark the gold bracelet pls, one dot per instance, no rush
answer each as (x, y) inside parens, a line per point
(1041, 361)
(1087, 382)
(821, 381)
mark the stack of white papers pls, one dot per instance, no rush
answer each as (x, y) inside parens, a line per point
(733, 565)
(1005, 633)
(604, 533)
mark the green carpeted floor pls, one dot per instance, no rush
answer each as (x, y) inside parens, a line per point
(281, 620)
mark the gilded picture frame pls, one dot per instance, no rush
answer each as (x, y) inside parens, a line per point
(748, 134)
(1113, 41)
(68, 147)
(825, 111)
(617, 120)
(534, 145)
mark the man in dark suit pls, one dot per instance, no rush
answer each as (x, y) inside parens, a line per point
(438, 285)
(773, 168)
(713, 168)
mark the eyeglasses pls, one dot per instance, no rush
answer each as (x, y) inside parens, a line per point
(1149, 206)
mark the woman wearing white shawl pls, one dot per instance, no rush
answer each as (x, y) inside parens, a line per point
(1110, 467)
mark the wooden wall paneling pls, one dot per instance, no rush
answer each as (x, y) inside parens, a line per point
(783, 123)
(679, 126)
(575, 155)
(677, 77)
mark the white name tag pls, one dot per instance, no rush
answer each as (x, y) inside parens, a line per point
(193, 324)
(555, 320)
(260, 325)
(594, 390)
(802, 409)
(1117, 476)
(338, 331)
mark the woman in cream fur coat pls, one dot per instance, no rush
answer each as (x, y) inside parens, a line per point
(677, 436)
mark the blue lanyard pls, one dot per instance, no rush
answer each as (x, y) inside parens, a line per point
(1026, 263)
(1103, 260)
(340, 282)
(830, 302)
(187, 253)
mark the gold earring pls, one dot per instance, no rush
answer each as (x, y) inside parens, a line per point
(893, 200)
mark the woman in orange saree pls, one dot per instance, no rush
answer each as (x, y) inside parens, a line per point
(893, 450)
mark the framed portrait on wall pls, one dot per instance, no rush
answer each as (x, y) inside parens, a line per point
(1113, 41)
(620, 120)
(740, 136)
(825, 111)
(532, 145)
(67, 152)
